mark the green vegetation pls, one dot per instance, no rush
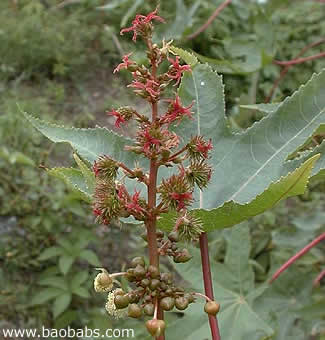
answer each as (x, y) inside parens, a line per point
(56, 62)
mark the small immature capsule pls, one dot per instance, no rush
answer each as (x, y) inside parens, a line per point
(145, 282)
(139, 271)
(139, 260)
(181, 303)
(134, 311)
(189, 297)
(154, 284)
(133, 297)
(182, 257)
(173, 236)
(156, 327)
(149, 309)
(166, 277)
(121, 301)
(212, 308)
(167, 303)
(153, 271)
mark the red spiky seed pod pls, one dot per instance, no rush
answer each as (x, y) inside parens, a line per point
(176, 192)
(105, 168)
(198, 148)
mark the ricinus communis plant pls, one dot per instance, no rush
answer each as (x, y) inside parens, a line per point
(185, 173)
(154, 291)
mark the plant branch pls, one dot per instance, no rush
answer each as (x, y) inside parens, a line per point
(319, 278)
(286, 68)
(209, 21)
(208, 283)
(152, 196)
(177, 153)
(299, 60)
(297, 256)
(131, 172)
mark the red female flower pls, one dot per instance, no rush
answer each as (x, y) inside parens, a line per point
(134, 205)
(126, 63)
(151, 87)
(176, 111)
(149, 140)
(140, 22)
(182, 199)
(204, 147)
(97, 212)
(177, 70)
(95, 169)
(119, 118)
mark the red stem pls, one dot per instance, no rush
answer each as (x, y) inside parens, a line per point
(209, 21)
(299, 60)
(207, 279)
(286, 68)
(152, 197)
(297, 256)
(319, 278)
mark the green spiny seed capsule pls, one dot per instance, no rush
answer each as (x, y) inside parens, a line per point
(121, 301)
(149, 309)
(166, 277)
(139, 260)
(133, 297)
(173, 236)
(160, 234)
(154, 284)
(139, 271)
(145, 282)
(156, 327)
(183, 256)
(167, 303)
(153, 271)
(134, 311)
(212, 308)
(189, 297)
(181, 303)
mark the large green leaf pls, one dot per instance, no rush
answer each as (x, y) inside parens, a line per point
(89, 143)
(319, 168)
(232, 213)
(237, 319)
(246, 164)
(75, 179)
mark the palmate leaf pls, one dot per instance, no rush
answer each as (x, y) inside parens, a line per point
(237, 319)
(89, 143)
(232, 213)
(75, 180)
(245, 165)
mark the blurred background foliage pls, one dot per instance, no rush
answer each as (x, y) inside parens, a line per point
(56, 61)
